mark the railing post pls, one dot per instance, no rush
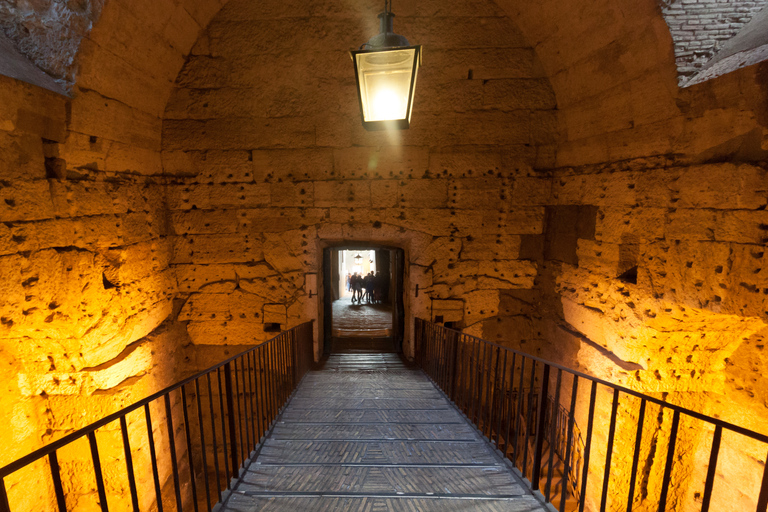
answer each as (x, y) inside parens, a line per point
(231, 418)
(540, 429)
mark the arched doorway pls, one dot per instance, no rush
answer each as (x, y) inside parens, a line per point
(375, 322)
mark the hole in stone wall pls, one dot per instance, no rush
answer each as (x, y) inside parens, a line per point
(630, 276)
(107, 283)
(452, 325)
(272, 327)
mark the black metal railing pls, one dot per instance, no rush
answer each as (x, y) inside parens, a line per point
(506, 393)
(178, 449)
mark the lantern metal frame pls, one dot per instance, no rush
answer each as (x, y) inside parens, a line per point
(387, 41)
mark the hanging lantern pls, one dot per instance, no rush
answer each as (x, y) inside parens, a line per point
(358, 259)
(385, 71)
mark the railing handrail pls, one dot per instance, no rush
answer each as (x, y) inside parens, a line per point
(46, 450)
(757, 436)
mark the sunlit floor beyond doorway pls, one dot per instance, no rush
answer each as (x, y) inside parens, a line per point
(361, 320)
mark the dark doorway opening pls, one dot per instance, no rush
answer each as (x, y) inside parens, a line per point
(370, 318)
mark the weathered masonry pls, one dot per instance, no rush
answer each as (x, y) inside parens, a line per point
(171, 172)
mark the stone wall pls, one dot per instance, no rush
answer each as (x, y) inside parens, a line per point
(268, 164)
(87, 287)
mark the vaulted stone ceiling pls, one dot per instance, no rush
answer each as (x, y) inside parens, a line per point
(612, 66)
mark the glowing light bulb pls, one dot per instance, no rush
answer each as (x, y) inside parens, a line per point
(387, 105)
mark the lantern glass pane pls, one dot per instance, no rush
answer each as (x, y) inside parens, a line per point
(385, 83)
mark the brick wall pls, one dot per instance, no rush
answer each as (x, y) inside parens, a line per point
(700, 27)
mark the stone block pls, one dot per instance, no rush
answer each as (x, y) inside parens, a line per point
(519, 94)
(478, 193)
(211, 222)
(518, 221)
(692, 225)
(292, 194)
(463, 161)
(742, 226)
(294, 164)
(507, 274)
(384, 193)
(480, 305)
(277, 220)
(204, 71)
(275, 313)
(448, 310)
(201, 249)
(722, 186)
(485, 63)
(237, 133)
(349, 194)
(21, 157)
(437, 222)
(94, 115)
(490, 247)
(383, 161)
(423, 193)
(531, 191)
(26, 200)
(630, 225)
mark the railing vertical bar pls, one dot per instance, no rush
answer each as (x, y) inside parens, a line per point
(234, 395)
(284, 365)
(670, 461)
(153, 458)
(501, 394)
(128, 465)
(477, 394)
(251, 393)
(444, 360)
(471, 378)
(762, 500)
(58, 489)
(462, 398)
(225, 444)
(203, 447)
(588, 446)
(711, 469)
(265, 390)
(250, 445)
(553, 437)
(490, 395)
(510, 404)
(519, 412)
(541, 428)
(231, 422)
(281, 371)
(219, 487)
(97, 472)
(609, 450)
(529, 418)
(172, 450)
(188, 436)
(454, 366)
(569, 441)
(258, 381)
(272, 384)
(636, 455)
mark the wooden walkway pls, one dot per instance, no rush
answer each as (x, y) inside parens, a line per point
(369, 433)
